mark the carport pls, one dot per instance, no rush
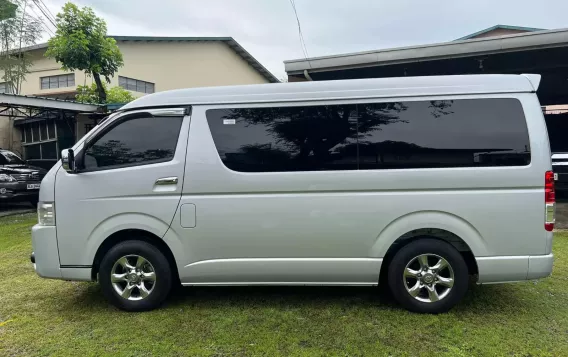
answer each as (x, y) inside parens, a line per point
(38, 128)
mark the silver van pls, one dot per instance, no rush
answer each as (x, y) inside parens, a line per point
(418, 183)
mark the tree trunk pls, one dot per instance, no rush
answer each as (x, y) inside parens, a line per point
(100, 88)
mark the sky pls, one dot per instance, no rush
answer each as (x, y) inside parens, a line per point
(268, 29)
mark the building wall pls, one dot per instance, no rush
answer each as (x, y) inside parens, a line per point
(169, 65)
(174, 65)
(43, 67)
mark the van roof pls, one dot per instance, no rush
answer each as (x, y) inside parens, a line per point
(342, 89)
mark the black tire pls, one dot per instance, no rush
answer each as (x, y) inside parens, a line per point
(428, 246)
(163, 273)
(34, 203)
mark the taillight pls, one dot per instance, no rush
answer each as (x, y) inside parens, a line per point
(549, 201)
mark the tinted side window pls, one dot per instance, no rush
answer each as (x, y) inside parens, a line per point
(395, 135)
(445, 133)
(309, 138)
(135, 142)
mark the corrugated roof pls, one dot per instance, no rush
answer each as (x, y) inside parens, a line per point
(7, 99)
(504, 27)
(234, 45)
(435, 51)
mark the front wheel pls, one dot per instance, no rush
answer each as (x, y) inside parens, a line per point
(135, 276)
(428, 276)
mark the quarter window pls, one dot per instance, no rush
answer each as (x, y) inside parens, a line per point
(135, 141)
(372, 136)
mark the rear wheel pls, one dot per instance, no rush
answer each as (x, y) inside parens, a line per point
(135, 276)
(428, 276)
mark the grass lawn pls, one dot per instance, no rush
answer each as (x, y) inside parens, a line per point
(49, 317)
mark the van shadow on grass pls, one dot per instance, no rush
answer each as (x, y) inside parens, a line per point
(479, 299)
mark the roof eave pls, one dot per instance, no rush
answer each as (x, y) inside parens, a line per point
(40, 102)
(453, 49)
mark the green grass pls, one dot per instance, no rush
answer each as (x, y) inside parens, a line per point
(49, 317)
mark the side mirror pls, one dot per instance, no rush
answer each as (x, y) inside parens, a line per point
(68, 160)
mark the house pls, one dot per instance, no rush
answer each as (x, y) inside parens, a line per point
(151, 64)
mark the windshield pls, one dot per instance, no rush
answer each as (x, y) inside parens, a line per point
(9, 158)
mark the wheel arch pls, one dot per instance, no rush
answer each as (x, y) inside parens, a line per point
(133, 234)
(430, 224)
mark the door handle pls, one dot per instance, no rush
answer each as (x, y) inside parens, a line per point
(167, 181)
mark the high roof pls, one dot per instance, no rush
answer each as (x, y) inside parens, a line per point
(342, 89)
(234, 45)
(498, 27)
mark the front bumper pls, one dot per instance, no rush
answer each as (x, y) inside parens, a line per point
(45, 257)
(18, 191)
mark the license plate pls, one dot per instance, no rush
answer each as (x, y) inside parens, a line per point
(555, 177)
(33, 186)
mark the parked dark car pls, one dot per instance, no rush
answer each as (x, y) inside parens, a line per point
(560, 168)
(19, 182)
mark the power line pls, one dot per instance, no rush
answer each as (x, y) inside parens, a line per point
(44, 13)
(47, 12)
(50, 13)
(302, 42)
(42, 21)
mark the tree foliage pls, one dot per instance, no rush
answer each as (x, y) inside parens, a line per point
(89, 94)
(81, 43)
(18, 29)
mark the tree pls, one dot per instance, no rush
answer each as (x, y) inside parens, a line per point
(18, 29)
(81, 43)
(89, 94)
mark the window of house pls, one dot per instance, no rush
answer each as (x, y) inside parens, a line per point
(39, 140)
(394, 135)
(5, 87)
(136, 141)
(59, 81)
(135, 85)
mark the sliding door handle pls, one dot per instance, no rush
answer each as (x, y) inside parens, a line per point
(167, 181)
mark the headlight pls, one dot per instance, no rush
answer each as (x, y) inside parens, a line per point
(6, 178)
(46, 213)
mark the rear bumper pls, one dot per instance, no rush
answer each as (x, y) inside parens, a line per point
(513, 268)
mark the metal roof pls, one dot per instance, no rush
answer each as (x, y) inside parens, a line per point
(496, 27)
(341, 89)
(453, 49)
(41, 102)
(234, 45)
